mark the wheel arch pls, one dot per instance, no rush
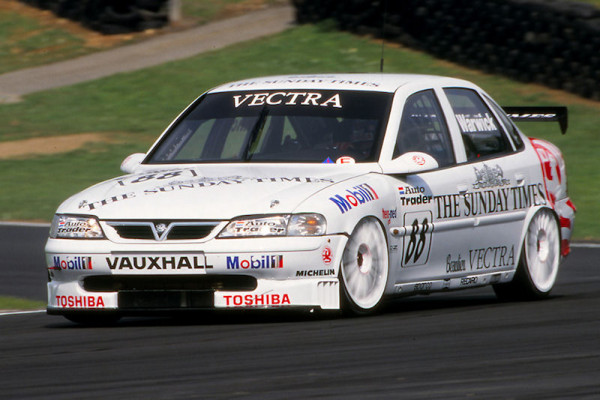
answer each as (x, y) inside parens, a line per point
(350, 305)
(525, 226)
(389, 288)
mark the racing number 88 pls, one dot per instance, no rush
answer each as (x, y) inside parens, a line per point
(167, 175)
(416, 248)
(417, 240)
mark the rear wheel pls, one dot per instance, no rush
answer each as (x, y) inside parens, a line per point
(539, 262)
(364, 268)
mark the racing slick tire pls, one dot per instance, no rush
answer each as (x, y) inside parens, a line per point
(364, 269)
(539, 262)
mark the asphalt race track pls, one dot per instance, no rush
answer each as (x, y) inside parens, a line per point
(23, 262)
(464, 345)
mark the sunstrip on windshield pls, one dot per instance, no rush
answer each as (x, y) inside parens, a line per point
(540, 114)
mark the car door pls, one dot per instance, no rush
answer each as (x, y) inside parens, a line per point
(433, 231)
(501, 184)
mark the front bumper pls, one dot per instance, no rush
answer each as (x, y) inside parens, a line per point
(132, 278)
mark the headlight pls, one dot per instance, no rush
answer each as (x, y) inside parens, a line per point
(307, 225)
(75, 227)
(276, 225)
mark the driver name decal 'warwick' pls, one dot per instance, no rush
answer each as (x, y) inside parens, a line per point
(476, 123)
(287, 99)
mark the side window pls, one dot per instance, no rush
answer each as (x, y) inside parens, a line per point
(480, 130)
(509, 124)
(423, 128)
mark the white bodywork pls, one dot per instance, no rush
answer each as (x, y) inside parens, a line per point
(453, 227)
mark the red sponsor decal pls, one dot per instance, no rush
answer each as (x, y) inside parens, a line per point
(80, 301)
(250, 300)
(565, 248)
(548, 170)
(419, 160)
(550, 165)
(388, 215)
(345, 160)
(326, 255)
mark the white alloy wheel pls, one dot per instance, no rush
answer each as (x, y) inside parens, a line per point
(542, 251)
(539, 262)
(364, 267)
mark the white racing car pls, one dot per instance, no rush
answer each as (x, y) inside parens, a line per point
(318, 192)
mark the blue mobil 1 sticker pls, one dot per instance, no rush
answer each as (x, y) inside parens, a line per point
(71, 262)
(255, 262)
(353, 197)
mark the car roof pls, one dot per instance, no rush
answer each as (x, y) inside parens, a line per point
(368, 82)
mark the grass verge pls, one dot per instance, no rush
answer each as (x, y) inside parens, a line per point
(137, 106)
(25, 42)
(13, 303)
(202, 11)
(31, 37)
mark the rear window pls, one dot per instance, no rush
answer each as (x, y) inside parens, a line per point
(511, 129)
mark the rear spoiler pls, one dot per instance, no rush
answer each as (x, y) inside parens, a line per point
(540, 114)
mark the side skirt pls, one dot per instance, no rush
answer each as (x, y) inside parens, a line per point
(463, 282)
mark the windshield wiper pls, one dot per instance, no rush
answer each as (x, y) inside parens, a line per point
(256, 130)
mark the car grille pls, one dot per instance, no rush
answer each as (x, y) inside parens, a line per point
(165, 299)
(163, 230)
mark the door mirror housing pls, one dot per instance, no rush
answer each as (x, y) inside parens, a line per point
(130, 164)
(410, 163)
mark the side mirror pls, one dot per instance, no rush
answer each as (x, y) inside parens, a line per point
(130, 164)
(410, 163)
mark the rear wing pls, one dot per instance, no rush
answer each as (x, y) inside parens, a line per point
(540, 114)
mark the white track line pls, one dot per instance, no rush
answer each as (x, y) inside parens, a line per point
(586, 245)
(21, 312)
(32, 224)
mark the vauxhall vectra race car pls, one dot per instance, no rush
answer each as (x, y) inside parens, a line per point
(318, 192)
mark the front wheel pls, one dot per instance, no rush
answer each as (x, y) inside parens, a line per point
(539, 262)
(364, 268)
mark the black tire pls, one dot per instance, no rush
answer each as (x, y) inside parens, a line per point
(539, 261)
(364, 269)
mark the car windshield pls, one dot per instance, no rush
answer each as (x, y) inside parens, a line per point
(278, 126)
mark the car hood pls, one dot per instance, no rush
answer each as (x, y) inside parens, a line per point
(210, 192)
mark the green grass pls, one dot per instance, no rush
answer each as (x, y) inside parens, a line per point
(203, 11)
(137, 106)
(27, 42)
(24, 42)
(206, 10)
(592, 2)
(14, 303)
